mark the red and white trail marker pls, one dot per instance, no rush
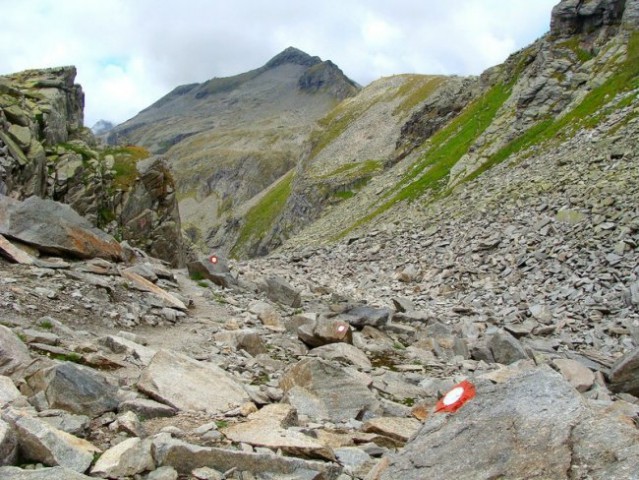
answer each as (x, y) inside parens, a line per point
(456, 397)
(213, 259)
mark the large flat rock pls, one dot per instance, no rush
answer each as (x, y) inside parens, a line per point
(41, 442)
(55, 473)
(185, 457)
(186, 384)
(323, 391)
(55, 228)
(267, 428)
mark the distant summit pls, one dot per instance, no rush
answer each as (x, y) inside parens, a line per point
(102, 126)
(294, 56)
(230, 140)
(275, 86)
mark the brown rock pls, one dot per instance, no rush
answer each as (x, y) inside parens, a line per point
(397, 428)
(54, 228)
(577, 374)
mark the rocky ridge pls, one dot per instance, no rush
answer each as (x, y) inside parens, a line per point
(569, 79)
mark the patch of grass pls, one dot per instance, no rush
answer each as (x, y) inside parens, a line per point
(196, 276)
(350, 190)
(203, 283)
(574, 44)
(355, 169)
(68, 357)
(219, 298)
(448, 145)
(46, 324)
(261, 217)
(588, 114)
(83, 151)
(125, 164)
(105, 216)
(344, 195)
(399, 346)
(221, 423)
(415, 90)
(409, 401)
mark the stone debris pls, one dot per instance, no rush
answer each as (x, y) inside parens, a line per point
(326, 361)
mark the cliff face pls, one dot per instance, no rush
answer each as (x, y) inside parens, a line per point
(39, 108)
(46, 151)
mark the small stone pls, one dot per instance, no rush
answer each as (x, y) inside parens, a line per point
(624, 374)
(164, 473)
(396, 428)
(280, 291)
(505, 348)
(541, 313)
(127, 458)
(206, 473)
(577, 374)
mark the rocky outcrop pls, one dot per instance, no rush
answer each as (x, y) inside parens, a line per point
(148, 215)
(439, 109)
(45, 151)
(572, 17)
(326, 76)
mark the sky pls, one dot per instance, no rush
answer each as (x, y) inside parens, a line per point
(129, 53)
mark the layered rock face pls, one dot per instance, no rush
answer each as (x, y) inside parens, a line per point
(571, 17)
(45, 151)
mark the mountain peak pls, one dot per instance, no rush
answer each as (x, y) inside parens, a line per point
(294, 56)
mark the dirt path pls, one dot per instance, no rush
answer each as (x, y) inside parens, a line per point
(191, 334)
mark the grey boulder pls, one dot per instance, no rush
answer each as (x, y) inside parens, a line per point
(75, 388)
(534, 426)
